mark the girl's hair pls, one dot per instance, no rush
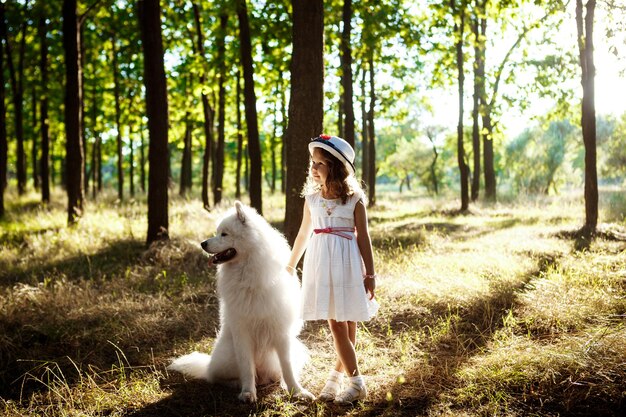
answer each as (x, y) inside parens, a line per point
(339, 181)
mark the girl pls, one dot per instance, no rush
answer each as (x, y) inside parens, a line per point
(338, 279)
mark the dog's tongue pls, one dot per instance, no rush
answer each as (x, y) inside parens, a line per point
(212, 262)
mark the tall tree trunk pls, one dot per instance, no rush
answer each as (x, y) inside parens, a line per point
(43, 109)
(73, 116)
(306, 114)
(433, 165)
(588, 117)
(283, 147)
(35, 148)
(273, 150)
(365, 157)
(131, 161)
(476, 99)
(463, 168)
(3, 126)
(346, 73)
(118, 115)
(156, 110)
(239, 138)
(218, 177)
(254, 145)
(82, 103)
(185, 166)
(207, 112)
(371, 136)
(142, 161)
(17, 89)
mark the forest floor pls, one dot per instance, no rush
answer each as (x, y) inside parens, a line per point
(501, 311)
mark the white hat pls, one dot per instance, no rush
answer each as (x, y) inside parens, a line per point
(338, 147)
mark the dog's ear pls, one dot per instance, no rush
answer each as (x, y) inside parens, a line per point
(240, 213)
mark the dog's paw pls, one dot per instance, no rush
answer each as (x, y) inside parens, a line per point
(302, 395)
(247, 397)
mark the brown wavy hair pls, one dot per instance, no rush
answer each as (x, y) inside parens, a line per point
(339, 181)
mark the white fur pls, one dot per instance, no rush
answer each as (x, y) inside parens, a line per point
(259, 311)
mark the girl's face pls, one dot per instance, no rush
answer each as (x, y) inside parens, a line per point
(319, 167)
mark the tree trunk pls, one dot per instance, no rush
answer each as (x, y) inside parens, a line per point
(207, 112)
(73, 116)
(476, 99)
(142, 162)
(346, 73)
(35, 148)
(433, 165)
(588, 117)
(131, 161)
(185, 166)
(218, 167)
(364, 141)
(3, 126)
(371, 136)
(273, 150)
(463, 168)
(17, 88)
(156, 110)
(43, 109)
(283, 143)
(239, 138)
(118, 115)
(254, 145)
(306, 113)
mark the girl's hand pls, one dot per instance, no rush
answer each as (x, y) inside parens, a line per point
(370, 285)
(292, 271)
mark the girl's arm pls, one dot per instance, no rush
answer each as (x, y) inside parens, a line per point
(299, 245)
(365, 247)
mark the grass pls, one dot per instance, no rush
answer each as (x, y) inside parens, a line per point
(493, 312)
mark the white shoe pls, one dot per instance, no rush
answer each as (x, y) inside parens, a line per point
(353, 393)
(331, 389)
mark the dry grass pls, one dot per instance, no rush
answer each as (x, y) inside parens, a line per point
(494, 312)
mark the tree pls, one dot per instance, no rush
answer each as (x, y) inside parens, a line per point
(43, 109)
(207, 111)
(584, 27)
(254, 145)
(346, 74)
(3, 126)
(458, 14)
(73, 115)
(156, 110)
(305, 118)
(118, 117)
(218, 177)
(16, 77)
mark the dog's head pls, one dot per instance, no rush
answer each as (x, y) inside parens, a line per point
(231, 234)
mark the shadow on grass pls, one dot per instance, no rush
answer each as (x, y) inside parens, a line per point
(112, 260)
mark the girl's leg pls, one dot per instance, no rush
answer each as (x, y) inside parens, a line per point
(344, 337)
(352, 337)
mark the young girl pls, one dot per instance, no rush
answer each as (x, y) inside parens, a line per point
(338, 279)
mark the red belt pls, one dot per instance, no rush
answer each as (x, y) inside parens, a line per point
(338, 231)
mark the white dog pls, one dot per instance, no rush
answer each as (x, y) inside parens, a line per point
(259, 310)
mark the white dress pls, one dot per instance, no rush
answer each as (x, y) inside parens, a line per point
(332, 277)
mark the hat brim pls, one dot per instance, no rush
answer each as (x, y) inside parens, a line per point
(327, 146)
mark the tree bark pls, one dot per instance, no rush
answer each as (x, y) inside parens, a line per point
(346, 73)
(364, 141)
(43, 110)
(157, 112)
(73, 116)
(254, 145)
(588, 117)
(185, 166)
(305, 104)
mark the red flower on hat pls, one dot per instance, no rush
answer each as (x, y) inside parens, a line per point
(325, 137)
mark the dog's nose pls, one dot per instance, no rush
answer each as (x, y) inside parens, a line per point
(203, 244)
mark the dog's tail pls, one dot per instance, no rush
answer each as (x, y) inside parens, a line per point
(195, 365)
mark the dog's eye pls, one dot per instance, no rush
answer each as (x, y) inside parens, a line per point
(224, 234)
